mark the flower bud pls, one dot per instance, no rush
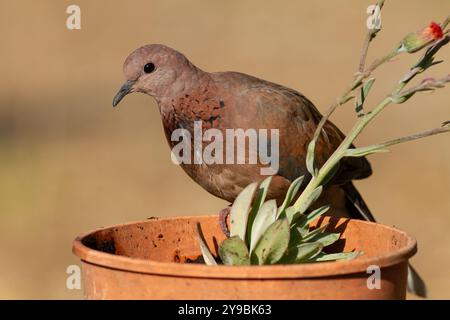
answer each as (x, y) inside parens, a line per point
(417, 40)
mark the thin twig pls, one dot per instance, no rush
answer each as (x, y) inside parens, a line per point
(371, 34)
(357, 82)
(426, 85)
(408, 138)
(396, 96)
(361, 76)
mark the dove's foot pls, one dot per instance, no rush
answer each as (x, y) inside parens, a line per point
(223, 215)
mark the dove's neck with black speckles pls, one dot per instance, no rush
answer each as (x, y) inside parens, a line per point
(184, 96)
(192, 97)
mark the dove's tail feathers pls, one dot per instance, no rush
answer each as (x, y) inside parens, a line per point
(416, 284)
(355, 204)
(359, 210)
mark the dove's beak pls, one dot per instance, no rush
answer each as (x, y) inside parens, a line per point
(123, 91)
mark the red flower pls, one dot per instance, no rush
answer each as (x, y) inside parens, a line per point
(416, 41)
(434, 30)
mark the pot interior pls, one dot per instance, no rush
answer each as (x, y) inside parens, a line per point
(175, 240)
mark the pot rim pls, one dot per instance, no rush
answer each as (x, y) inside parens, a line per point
(311, 270)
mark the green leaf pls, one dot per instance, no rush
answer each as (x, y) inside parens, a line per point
(316, 231)
(311, 199)
(347, 99)
(331, 174)
(273, 243)
(310, 158)
(312, 216)
(367, 86)
(316, 213)
(290, 214)
(364, 151)
(234, 252)
(257, 203)
(296, 236)
(321, 257)
(356, 85)
(290, 195)
(324, 238)
(239, 211)
(359, 109)
(264, 218)
(362, 94)
(207, 255)
(302, 252)
(302, 230)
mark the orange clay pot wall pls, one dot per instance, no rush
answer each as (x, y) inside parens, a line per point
(147, 260)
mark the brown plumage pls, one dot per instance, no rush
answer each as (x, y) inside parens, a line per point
(222, 100)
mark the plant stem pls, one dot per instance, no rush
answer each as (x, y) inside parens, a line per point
(357, 82)
(426, 85)
(397, 95)
(361, 75)
(339, 153)
(383, 60)
(416, 136)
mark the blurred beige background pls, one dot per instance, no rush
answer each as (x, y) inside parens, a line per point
(69, 162)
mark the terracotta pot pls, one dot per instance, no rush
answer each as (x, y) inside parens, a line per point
(149, 260)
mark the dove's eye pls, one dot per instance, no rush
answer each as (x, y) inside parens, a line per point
(149, 67)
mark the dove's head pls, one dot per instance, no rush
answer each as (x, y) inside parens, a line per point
(153, 69)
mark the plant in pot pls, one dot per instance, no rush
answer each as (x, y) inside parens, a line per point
(287, 251)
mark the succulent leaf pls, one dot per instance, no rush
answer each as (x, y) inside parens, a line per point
(273, 243)
(290, 213)
(233, 251)
(302, 253)
(310, 158)
(260, 197)
(303, 230)
(239, 211)
(314, 232)
(290, 195)
(311, 199)
(264, 218)
(207, 255)
(305, 220)
(324, 238)
(296, 236)
(322, 257)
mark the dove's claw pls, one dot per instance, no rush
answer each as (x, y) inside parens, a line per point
(223, 215)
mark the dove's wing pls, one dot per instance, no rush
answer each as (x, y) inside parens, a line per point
(264, 104)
